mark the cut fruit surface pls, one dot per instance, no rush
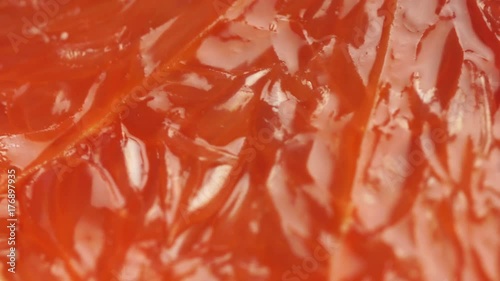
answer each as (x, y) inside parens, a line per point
(251, 140)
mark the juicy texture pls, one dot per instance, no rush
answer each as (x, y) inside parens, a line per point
(252, 140)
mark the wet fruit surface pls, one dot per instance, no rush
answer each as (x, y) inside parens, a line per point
(252, 140)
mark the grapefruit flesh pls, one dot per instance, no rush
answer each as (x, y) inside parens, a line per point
(252, 139)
